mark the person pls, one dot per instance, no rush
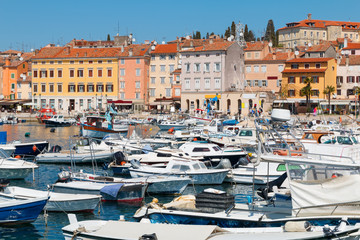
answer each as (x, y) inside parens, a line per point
(315, 111)
(69, 110)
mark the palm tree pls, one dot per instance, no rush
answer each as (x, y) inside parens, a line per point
(306, 91)
(357, 94)
(328, 91)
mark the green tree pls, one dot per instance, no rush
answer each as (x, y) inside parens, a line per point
(207, 35)
(227, 33)
(270, 32)
(251, 36)
(108, 37)
(306, 91)
(276, 44)
(328, 91)
(357, 95)
(246, 33)
(233, 29)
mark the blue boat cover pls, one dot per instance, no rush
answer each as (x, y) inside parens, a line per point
(147, 148)
(230, 122)
(112, 189)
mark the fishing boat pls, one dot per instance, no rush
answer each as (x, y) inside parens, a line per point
(28, 149)
(45, 113)
(196, 170)
(131, 193)
(58, 121)
(99, 127)
(58, 202)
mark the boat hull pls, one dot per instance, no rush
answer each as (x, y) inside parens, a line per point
(95, 132)
(166, 127)
(15, 172)
(49, 123)
(81, 158)
(28, 149)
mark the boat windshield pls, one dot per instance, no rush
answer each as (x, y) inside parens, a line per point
(4, 154)
(344, 140)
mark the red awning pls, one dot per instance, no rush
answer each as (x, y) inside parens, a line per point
(120, 102)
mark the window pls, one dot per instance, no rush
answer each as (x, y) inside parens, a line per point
(153, 57)
(171, 80)
(99, 88)
(35, 73)
(281, 68)
(256, 68)
(100, 61)
(90, 88)
(217, 83)
(51, 87)
(109, 88)
(306, 66)
(109, 72)
(318, 65)
(302, 79)
(122, 61)
(90, 62)
(13, 86)
(217, 67)
(162, 68)
(263, 68)
(257, 55)
(197, 83)
(311, 34)
(339, 79)
(177, 92)
(59, 73)
(152, 80)
(19, 95)
(278, 83)
(81, 62)
(91, 72)
(187, 83)
(43, 87)
(171, 57)
(122, 95)
(72, 72)
(350, 79)
(81, 88)
(305, 34)
(315, 92)
(59, 88)
(122, 72)
(152, 92)
(248, 83)
(315, 79)
(264, 83)
(256, 83)
(162, 80)
(294, 66)
(197, 67)
(352, 52)
(81, 102)
(248, 55)
(137, 95)
(100, 72)
(321, 54)
(168, 92)
(43, 62)
(80, 72)
(162, 57)
(152, 67)
(248, 69)
(71, 88)
(13, 75)
(171, 67)
(323, 34)
(35, 88)
(201, 149)
(207, 83)
(291, 93)
(138, 61)
(35, 63)
(109, 61)
(207, 67)
(137, 84)
(291, 79)
(122, 84)
(187, 67)
(43, 74)
(51, 73)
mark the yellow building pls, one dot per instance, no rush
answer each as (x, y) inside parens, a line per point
(70, 78)
(321, 70)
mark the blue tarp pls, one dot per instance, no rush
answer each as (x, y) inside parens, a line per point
(112, 189)
(230, 122)
(147, 148)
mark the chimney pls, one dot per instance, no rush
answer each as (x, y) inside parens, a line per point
(347, 60)
(345, 42)
(191, 43)
(274, 56)
(211, 41)
(309, 16)
(7, 62)
(177, 44)
(122, 48)
(130, 52)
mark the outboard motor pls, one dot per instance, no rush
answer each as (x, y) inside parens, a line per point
(135, 163)
(263, 191)
(63, 176)
(3, 183)
(243, 161)
(119, 157)
(223, 164)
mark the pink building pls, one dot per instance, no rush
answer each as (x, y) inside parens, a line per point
(352, 48)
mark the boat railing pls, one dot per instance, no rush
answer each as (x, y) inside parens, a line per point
(334, 205)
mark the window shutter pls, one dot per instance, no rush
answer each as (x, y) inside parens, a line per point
(260, 83)
(68, 88)
(266, 83)
(347, 79)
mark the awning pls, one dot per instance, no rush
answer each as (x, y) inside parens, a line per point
(248, 95)
(212, 96)
(120, 102)
(336, 103)
(284, 101)
(160, 103)
(11, 102)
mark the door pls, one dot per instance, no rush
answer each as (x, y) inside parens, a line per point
(72, 104)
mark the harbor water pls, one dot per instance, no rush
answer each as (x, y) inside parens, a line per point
(48, 225)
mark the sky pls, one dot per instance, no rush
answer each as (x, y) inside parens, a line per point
(32, 24)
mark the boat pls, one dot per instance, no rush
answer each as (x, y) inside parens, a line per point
(13, 168)
(99, 127)
(131, 193)
(58, 202)
(196, 170)
(212, 152)
(165, 125)
(58, 121)
(10, 119)
(18, 210)
(28, 149)
(45, 113)
(8, 149)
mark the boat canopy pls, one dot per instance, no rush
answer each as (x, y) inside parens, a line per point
(112, 190)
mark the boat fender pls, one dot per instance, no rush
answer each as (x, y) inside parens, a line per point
(297, 226)
(34, 148)
(171, 130)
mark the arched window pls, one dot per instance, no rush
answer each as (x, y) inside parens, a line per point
(250, 103)
(239, 105)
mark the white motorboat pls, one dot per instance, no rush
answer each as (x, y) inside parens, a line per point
(12, 168)
(58, 121)
(165, 125)
(196, 170)
(58, 202)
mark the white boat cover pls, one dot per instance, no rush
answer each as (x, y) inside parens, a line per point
(338, 192)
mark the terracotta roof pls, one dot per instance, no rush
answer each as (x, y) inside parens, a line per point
(320, 47)
(176, 71)
(279, 56)
(255, 46)
(352, 46)
(165, 48)
(308, 60)
(312, 70)
(322, 24)
(11, 52)
(353, 60)
(27, 56)
(137, 50)
(48, 52)
(215, 46)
